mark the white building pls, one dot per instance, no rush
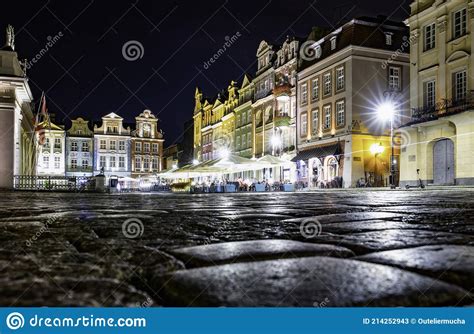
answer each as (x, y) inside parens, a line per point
(17, 144)
(51, 155)
(112, 147)
(79, 149)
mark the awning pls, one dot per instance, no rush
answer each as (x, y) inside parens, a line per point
(319, 152)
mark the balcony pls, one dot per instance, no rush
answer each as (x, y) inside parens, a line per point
(283, 89)
(442, 109)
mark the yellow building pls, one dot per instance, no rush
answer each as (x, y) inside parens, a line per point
(439, 139)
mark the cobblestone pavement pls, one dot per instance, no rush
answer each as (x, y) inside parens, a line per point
(328, 248)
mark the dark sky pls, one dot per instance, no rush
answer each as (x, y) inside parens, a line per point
(85, 72)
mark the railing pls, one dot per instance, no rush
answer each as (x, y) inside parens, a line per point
(53, 183)
(441, 109)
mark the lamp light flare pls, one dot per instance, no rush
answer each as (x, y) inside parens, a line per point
(376, 148)
(385, 111)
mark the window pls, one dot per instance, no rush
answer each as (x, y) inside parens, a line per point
(327, 84)
(238, 142)
(304, 93)
(45, 162)
(249, 117)
(459, 21)
(154, 148)
(46, 143)
(244, 140)
(121, 145)
(430, 36)
(315, 89)
(340, 78)
(85, 147)
(138, 147)
(327, 117)
(333, 42)
(138, 163)
(74, 146)
(249, 140)
(315, 121)
(102, 161)
(238, 120)
(154, 163)
(121, 162)
(146, 147)
(103, 144)
(112, 162)
(73, 164)
(113, 145)
(429, 93)
(57, 162)
(460, 85)
(304, 124)
(57, 142)
(318, 51)
(340, 113)
(388, 38)
(394, 78)
(85, 164)
(146, 163)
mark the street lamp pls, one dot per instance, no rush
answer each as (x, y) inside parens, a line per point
(276, 142)
(386, 111)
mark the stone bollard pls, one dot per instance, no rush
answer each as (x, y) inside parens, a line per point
(100, 184)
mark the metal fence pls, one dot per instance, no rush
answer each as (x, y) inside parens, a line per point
(53, 183)
(446, 107)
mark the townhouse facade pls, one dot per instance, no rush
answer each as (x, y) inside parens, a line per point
(112, 142)
(146, 145)
(342, 82)
(52, 153)
(79, 149)
(439, 137)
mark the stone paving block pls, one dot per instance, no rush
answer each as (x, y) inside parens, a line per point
(243, 251)
(348, 217)
(305, 281)
(451, 263)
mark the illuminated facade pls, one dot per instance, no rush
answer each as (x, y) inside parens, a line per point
(348, 73)
(18, 144)
(51, 155)
(438, 141)
(146, 145)
(112, 147)
(79, 149)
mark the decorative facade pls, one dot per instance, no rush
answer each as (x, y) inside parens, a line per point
(79, 149)
(18, 144)
(51, 155)
(439, 137)
(112, 147)
(146, 145)
(346, 75)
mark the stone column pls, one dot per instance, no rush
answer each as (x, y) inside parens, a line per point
(7, 145)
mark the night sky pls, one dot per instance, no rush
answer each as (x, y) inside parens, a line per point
(85, 73)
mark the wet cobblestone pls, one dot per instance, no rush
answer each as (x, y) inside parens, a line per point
(73, 249)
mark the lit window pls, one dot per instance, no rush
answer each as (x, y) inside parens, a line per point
(388, 38)
(430, 36)
(340, 78)
(138, 147)
(304, 93)
(155, 148)
(327, 84)
(304, 124)
(138, 163)
(146, 163)
(315, 89)
(315, 121)
(340, 113)
(327, 117)
(146, 147)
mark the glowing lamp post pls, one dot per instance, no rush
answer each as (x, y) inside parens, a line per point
(386, 112)
(276, 143)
